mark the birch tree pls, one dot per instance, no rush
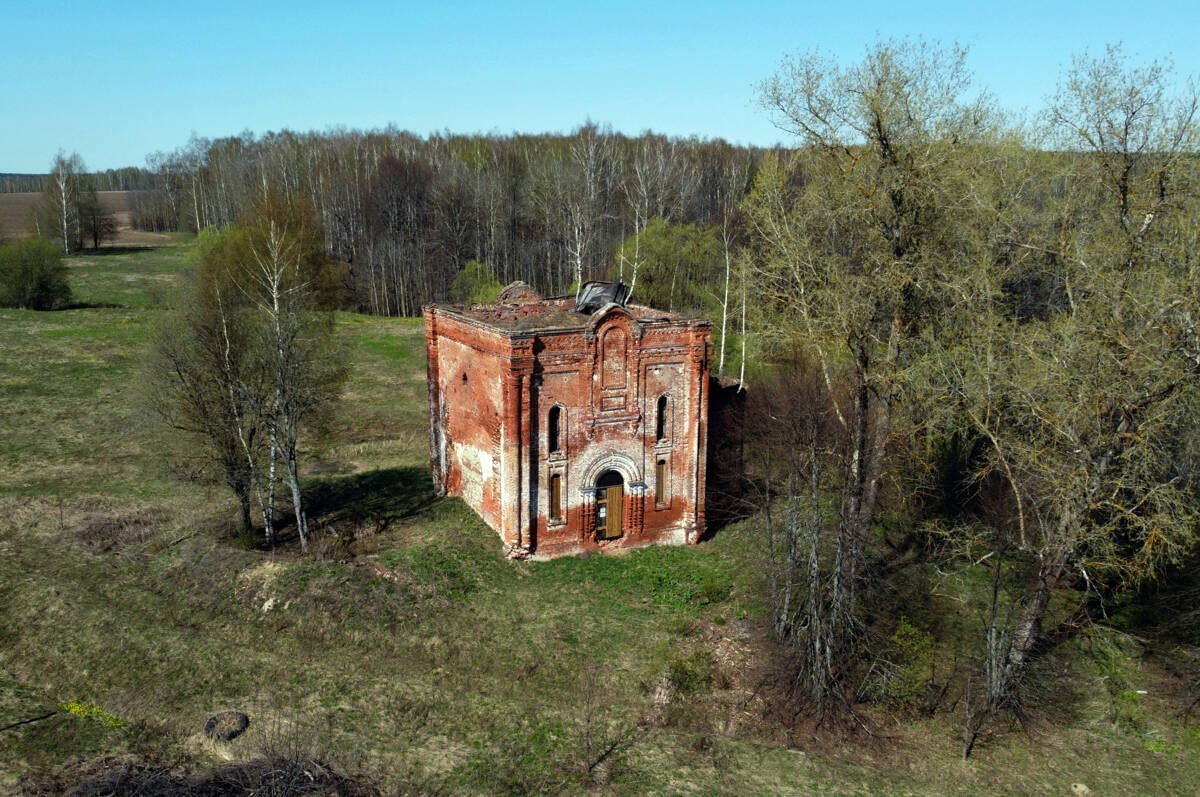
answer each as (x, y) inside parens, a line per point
(734, 180)
(287, 279)
(246, 361)
(203, 379)
(591, 180)
(57, 215)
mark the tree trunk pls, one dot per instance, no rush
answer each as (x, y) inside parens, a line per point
(66, 227)
(724, 314)
(1028, 631)
(297, 504)
(244, 507)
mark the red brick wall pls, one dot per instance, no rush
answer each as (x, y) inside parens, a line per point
(465, 391)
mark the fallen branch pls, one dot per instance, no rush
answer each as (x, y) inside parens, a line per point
(26, 722)
(181, 539)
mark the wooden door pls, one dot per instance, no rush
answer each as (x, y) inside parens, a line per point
(613, 499)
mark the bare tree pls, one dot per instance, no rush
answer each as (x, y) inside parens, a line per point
(57, 215)
(202, 376)
(854, 235)
(734, 183)
(1083, 398)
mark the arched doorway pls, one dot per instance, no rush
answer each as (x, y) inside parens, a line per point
(610, 505)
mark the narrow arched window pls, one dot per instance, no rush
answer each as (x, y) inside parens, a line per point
(556, 497)
(553, 442)
(660, 425)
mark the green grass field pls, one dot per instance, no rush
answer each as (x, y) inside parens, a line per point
(406, 648)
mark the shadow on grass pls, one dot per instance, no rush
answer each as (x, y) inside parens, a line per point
(105, 251)
(92, 306)
(374, 499)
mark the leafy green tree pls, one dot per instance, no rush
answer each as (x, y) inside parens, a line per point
(32, 275)
(675, 267)
(475, 284)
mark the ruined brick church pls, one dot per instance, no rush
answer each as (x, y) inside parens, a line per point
(571, 425)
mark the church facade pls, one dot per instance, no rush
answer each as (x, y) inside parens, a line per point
(571, 426)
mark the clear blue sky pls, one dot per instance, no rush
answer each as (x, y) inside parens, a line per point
(115, 81)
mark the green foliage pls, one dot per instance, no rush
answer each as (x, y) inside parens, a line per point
(681, 578)
(435, 568)
(475, 284)
(906, 676)
(473, 683)
(1158, 745)
(1114, 657)
(713, 588)
(387, 346)
(93, 713)
(691, 673)
(248, 356)
(679, 266)
(32, 275)
(964, 286)
(521, 758)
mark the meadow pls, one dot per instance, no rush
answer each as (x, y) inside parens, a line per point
(405, 650)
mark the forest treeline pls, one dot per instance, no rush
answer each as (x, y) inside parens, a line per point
(407, 213)
(127, 178)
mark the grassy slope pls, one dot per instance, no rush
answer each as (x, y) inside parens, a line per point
(417, 654)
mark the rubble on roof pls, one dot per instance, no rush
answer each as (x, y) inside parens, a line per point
(519, 292)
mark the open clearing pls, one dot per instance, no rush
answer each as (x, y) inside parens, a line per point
(406, 648)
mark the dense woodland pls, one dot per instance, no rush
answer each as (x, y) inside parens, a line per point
(407, 213)
(128, 178)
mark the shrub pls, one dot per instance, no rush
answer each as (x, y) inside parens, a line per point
(476, 283)
(32, 275)
(900, 680)
(691, 673)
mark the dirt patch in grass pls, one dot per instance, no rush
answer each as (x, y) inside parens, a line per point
(108, 533)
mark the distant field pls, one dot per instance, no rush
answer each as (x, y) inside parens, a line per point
(14, 210)
(14, 215)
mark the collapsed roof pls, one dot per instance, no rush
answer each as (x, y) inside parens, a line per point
(594, 295)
